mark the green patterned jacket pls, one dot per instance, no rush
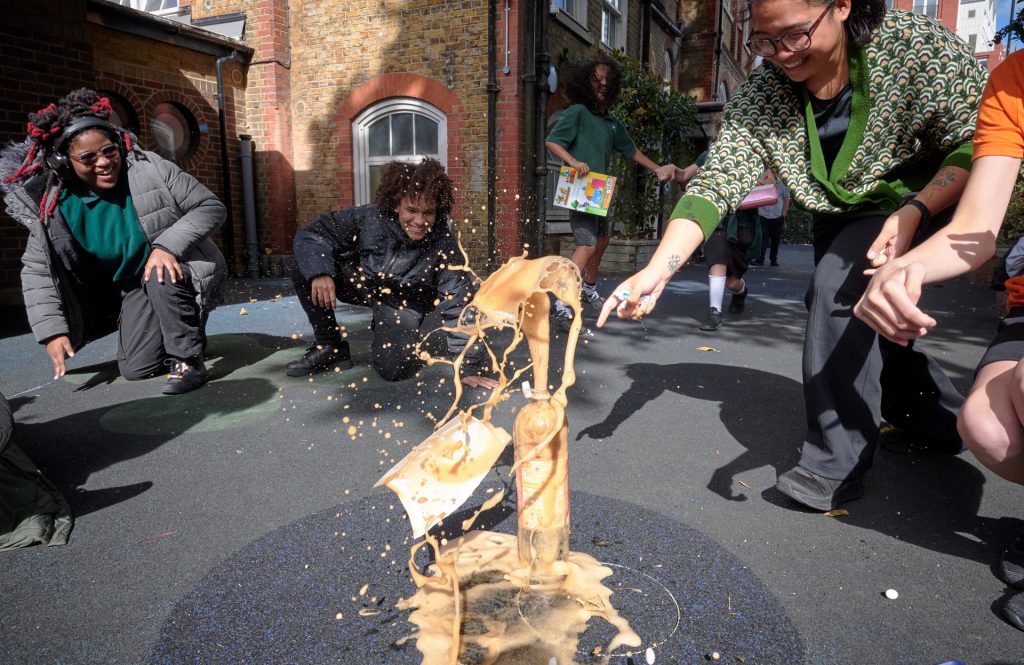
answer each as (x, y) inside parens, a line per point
(916, 90)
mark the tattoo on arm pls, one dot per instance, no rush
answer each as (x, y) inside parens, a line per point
(673, 262)
(943, 179)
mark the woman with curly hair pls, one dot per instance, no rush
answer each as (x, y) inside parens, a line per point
(585, 137)
(868, 117)
(396, 256)
(119, 239)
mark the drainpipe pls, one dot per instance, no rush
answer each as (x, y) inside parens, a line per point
(492, 131)
(543, 65)
(249, 204)
(718, 54)
(229, 228)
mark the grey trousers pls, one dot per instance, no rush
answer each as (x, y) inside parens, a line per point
(852, 377)
(154, 322)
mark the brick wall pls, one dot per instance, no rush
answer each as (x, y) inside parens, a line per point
(44, 53)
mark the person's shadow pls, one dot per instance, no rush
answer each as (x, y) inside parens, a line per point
(68, 450)
(932, 502)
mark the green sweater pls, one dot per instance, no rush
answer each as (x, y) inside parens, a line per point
(592, 138)
(916, 90)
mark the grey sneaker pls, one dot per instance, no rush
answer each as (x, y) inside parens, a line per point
(816, 491)
(713, 320)
(185, 376)
(593, 299)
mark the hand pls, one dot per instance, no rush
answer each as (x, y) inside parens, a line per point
(895, 237)
(323, 292)
(476, 381)
(161, 260)
(666, 172)
(889, 304)
(635, 298)
(59, 348)
(582, 168)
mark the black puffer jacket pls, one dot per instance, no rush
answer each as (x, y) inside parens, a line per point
(414, 270)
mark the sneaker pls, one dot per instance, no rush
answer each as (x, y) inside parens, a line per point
(816, 492)
(320, 358)
(713, 320)
(185, 376)
(1013, 611)
(757, 262)
(899, 441)
(738, 301)
(1011, 564)
(593, 299)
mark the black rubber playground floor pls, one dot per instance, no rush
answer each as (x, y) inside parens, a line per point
(238, 523)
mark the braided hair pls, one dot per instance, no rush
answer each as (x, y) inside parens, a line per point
(46, 127)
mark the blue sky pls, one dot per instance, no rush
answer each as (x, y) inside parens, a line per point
(1003, 12)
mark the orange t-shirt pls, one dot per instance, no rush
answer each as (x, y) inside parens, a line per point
(1000, 128)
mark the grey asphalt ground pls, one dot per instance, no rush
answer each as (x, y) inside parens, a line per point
(167, 489)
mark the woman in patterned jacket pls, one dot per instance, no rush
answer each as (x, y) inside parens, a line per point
(868, 117)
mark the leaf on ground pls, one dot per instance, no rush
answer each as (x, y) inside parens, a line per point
(707, 349)
(243, 312)
(838, 512)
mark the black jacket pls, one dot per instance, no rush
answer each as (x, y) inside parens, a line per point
(373, 240)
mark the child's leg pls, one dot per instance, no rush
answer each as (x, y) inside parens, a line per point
(590, 269)
(991, 421)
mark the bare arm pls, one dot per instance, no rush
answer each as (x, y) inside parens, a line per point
(889, 304)
(682, 237)
(558, 151)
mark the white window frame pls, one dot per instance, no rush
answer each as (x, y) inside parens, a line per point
(361, 160)
(141, 6)
(574, 9)
(620, 16)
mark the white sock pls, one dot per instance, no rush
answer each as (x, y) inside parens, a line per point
(716, 291)
(589, 288)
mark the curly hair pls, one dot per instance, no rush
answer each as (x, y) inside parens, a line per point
(865, 17)
(580, 85)
(426, 179)
(46, 128)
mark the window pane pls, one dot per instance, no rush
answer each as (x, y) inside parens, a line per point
(379, 137)
(173, 131)
(375, 174)
(401, 134)
(426, 136)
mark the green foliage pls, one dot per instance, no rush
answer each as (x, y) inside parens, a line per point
(797, 229)
(660, 122)
(1013, 223)
(1013, 30)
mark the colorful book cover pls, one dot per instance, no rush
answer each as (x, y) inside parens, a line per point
(591, 193)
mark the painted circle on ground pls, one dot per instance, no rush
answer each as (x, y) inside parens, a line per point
(297, 594)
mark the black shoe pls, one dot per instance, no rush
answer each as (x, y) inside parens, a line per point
(185, 376)
(713, 320)
(738, 301)
(775, 264)
(1013, 611)
(593, 299)
(820, 493)
(757, 262)
(901, 442)
(1011, 564)
(320, 358)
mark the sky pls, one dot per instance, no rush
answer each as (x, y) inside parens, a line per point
(1003, 12)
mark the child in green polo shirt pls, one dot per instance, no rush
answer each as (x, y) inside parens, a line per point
(585, 137)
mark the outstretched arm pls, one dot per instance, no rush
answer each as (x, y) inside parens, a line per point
(889, 304)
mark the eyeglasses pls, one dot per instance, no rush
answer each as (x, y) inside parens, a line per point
(794, 42)
(89, 158)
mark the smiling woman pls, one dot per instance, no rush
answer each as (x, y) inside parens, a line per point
(867, 116)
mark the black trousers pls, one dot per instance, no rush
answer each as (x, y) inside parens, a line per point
(154, 322)
(852, 377)
(771, 236)
(397, 317)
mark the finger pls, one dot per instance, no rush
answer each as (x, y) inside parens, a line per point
(881, 241)
(159, 273)
(147, 271)
(174, 272)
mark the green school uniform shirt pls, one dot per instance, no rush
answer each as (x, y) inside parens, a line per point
(592, 138)
(916, 90)
(107, 227)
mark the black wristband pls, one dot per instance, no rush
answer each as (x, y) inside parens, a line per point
(926, 214)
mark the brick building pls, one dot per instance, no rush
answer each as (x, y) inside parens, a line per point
(974, 21)
(328, 92)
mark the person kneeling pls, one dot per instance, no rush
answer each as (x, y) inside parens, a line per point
(119, 239)
(396, 256)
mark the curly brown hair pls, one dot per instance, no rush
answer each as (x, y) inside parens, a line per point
(427, 179)
(580, 86)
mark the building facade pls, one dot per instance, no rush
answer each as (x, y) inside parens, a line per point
(974, 21)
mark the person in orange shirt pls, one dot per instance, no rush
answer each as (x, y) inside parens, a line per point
(991, 420)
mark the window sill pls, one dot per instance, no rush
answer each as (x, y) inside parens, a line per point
(573, 26)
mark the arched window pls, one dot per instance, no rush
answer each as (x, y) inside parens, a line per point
(397, 129)
(175, 131)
